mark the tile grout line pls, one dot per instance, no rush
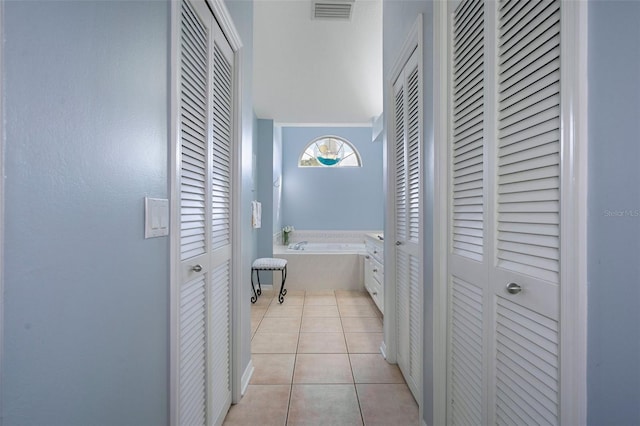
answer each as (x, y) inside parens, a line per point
(353, 376)
(295, 361)
(297, 351)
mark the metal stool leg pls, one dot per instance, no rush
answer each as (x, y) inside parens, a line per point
(259, 285)
(283, 291)
(254, 297)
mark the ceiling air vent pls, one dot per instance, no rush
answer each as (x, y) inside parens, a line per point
(335, 10)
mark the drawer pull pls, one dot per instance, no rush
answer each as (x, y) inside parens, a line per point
(375, 269)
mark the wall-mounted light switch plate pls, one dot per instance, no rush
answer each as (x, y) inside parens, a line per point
(156, 217)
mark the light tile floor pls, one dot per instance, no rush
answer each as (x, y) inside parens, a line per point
(317, 362)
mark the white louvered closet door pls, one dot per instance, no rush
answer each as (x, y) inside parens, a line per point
(222, 159)
(468, 258)
(527, 214)
(504, 322)
(204, 394)
(408, 218)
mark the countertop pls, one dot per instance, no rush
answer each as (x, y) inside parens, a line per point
(375, 236)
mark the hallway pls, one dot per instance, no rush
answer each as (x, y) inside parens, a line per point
(317, 362)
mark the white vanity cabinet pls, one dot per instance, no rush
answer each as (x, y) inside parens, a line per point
(374, 269)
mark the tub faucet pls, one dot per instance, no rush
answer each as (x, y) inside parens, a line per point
(298, 246)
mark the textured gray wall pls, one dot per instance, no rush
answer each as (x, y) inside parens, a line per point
(86, 303)
(613, 375)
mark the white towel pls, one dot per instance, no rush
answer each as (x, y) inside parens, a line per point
(256, 214)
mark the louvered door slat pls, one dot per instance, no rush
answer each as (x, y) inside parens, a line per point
(534, 386)
(508, 8)
(466, 152)
(468, 130)
(191, 145)
(534, 111)
(413, 148)
(527, 24)
(221, 199)
(192, 357)
(402, 311)
(467, 14)
(469, 177)
(468, 127)
(522, 142)
(467, 61)
(549, 74)
(400, 178)
(466, 352)
(528, 153)
(220, 361)
(532, 54)
(415, 319)
(468, 85)
(197, 34)
(468, 105)
(193, 133)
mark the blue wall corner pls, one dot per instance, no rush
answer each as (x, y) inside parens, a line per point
(613, 372)
(326, 198)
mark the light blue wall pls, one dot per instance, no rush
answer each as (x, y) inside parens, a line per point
(332, 198)
(265, 186)
(277, 177)
(614, 186)
(398, 18)
(86, 302)
(264, 173)
(242, 14)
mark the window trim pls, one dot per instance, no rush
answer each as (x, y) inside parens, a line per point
(334, 166)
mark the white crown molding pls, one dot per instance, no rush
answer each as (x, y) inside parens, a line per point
(321, 125)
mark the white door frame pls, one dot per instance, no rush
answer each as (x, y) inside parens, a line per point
(573, 258)
(223, 17)
(413, 42)
(440, 197)
(573, 220)
(1, 206)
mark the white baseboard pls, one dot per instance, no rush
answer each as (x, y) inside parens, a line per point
(246, 377)
(383, 350)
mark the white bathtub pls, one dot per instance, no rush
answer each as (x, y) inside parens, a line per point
(324, 266)
(325, 248)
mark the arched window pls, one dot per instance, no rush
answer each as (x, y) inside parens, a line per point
(330, 151)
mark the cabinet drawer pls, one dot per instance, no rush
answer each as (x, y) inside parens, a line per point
(375, 249)
(377, 294)
(374, 281)
(377, 270)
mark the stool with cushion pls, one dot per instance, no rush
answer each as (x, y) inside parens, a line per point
(268, 264)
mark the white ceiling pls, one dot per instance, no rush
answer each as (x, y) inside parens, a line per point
(309, 71)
